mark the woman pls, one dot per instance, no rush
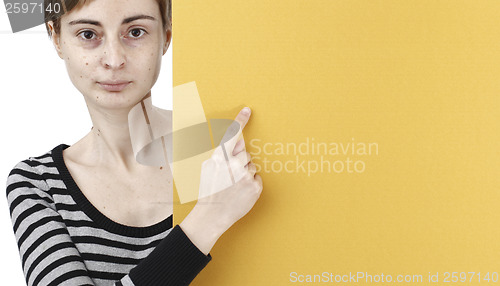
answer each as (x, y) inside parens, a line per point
(89, 214)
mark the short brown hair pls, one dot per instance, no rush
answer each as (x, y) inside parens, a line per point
(68, 5)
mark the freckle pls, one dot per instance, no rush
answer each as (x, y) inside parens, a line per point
(149, 69)
(151, 53)
(81, 76)
(86, 64)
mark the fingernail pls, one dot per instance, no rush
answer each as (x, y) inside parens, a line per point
(246, 110)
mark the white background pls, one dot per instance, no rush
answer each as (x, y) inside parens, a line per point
(40, 108)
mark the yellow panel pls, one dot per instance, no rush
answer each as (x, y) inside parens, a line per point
(188, 111)
(417, 81)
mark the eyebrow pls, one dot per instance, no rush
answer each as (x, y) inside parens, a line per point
(125, 21)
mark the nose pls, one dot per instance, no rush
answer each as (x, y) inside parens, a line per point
(114, 56)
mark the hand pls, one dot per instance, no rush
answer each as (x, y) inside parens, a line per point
(215, 213)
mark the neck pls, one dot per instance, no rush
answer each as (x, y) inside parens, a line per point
(109, 143)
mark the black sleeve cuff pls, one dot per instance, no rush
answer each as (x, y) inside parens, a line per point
(175, 261)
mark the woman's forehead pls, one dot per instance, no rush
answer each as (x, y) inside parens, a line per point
(114, 11)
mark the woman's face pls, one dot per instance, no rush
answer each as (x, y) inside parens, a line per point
(113, 50)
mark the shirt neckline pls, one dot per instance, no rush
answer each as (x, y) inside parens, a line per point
(93, 213)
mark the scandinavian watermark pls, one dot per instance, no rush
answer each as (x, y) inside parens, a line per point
(312, 156)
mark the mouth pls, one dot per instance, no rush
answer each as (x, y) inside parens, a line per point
(113, 86)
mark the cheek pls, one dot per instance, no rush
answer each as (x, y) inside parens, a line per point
(80, 69)
(151, 66)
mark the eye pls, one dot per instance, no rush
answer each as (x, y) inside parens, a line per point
(87, 35)
(136, 33)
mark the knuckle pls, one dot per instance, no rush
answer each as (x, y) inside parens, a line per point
(235, 165)
(216, 157)
(256, 186)
(247, 176)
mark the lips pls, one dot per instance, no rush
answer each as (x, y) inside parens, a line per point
(114, 86)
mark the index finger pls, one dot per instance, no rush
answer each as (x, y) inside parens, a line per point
(234, 131)
(243, 117)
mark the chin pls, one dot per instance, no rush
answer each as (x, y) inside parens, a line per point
(118, 100)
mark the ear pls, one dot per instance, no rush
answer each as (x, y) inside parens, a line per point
(168, 39)
(55, 38)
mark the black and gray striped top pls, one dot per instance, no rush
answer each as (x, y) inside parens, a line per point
(64, 240)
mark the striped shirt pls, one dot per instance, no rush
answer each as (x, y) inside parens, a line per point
(64, 240)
